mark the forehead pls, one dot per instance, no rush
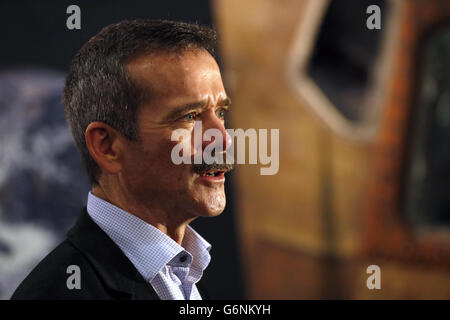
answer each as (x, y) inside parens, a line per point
(172, 77)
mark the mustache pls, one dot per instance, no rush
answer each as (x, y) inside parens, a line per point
(227, 165)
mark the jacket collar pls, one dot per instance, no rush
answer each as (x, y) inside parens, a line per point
(112, 265)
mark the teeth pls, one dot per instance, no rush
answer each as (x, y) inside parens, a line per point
(212, 173)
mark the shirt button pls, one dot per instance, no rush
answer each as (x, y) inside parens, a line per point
(183, 258)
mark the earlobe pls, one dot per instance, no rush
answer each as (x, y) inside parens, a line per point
(103, 143)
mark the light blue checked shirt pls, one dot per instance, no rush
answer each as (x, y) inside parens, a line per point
(171, 269)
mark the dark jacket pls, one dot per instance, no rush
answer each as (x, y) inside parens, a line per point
(105, 272)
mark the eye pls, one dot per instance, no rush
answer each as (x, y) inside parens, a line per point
(221, 113)
(190, 116)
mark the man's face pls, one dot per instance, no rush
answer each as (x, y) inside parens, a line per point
(184, 88)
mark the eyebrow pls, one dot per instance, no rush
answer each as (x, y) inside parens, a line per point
(191, 106)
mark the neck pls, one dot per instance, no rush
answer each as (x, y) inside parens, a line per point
(169, 223)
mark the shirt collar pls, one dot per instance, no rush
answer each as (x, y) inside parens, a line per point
(196, 245)
(148, 248)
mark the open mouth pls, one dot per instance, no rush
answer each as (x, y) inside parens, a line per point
(213, 173)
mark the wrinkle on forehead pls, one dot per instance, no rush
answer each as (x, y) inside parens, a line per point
(164, 70)
(168, 74)
(160, 62)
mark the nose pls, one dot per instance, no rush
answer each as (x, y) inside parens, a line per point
(214, 122)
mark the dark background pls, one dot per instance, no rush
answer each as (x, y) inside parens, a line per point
(34, 34)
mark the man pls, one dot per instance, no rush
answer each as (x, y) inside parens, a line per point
(128, 89)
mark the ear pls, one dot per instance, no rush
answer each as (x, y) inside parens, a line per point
(105, 144)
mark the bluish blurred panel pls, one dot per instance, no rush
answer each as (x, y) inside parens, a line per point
(42, 181)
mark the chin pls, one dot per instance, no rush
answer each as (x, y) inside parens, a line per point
(211, 210)
(208, 201)
(214, 212)
(213, 206)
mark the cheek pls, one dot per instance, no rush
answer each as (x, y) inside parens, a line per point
(163, 158)
(183, 145)
(155, 158)
(148, 161)
(159, 150)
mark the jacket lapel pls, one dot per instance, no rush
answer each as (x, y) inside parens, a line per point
(118, 273)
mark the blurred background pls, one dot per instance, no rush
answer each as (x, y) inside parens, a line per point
(364, 120)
